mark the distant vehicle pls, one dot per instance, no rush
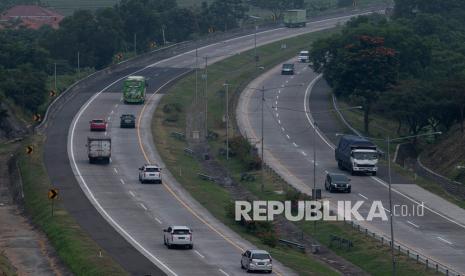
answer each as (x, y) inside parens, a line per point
(99, 149)
(134, 89)
(287, 69)
(257, 260)
(337, 182)
(304, 56)
(178, 236)
(357, 154)
(150, 173)
(98, 125)
(127, 121)
(295, 18)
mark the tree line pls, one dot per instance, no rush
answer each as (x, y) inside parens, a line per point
(410, 67)
(98, 36)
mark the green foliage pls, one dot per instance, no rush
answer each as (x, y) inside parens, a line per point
(245, 152)
(277, 7)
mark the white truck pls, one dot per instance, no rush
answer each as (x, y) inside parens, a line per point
(304, 56)
(357, 154)
(99, 149)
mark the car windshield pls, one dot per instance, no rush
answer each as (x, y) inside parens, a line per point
(97, 121)
(181, 232)
(304, 54)
(288, 66)
(260, 256)
(365, 155)
(152, 169)
(339, 178)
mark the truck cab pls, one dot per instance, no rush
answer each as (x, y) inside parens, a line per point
(357, 154)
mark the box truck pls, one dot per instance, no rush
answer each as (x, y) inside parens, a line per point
(357, 154)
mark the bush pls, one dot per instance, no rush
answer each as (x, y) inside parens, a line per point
(172, 107)
(245, 152)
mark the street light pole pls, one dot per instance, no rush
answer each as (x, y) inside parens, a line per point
(391, 222)
(263, 135)
(227, 120)
(206, 97)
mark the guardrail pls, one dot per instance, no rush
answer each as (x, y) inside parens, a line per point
(429, 262)
(206, 177)
(294, 244)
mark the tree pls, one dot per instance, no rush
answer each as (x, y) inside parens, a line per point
(454, 88)
(360, 69)
(277, 7)
(409, 102)
(225, 14)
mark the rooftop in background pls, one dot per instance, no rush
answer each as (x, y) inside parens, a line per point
(30, 16)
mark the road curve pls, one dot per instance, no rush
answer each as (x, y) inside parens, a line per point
(288, 143)
(136, 213)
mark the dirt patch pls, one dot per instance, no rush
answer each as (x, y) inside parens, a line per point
(23, 247)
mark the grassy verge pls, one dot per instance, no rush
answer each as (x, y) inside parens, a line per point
(239, 71)
(6, 269)
(75, 248)
(382, 127)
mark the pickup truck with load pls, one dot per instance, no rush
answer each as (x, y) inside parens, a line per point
(99, 149)
(357, 154)
(295, 18)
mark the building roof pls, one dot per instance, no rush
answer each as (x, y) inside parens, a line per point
(32, 16)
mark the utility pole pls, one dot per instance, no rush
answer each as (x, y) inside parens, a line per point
(263, 135)
(255, 47)
(390, 208)
(79, 64)
(206, 97)
(135, 44)
(227, 120)
(196, 74)
(55, 77)
(163, 33)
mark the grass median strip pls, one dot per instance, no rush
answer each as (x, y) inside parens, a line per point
(238, 71)
(75, 248)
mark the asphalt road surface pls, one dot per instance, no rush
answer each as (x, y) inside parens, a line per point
(288, 143)
(135, 214)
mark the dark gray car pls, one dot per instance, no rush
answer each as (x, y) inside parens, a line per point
(337, 182)
(128, 121)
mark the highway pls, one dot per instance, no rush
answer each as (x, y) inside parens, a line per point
(288, 149)
(135, 213)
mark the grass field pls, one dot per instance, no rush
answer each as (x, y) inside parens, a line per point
(6, 269)
(74, 247)
(239, 71)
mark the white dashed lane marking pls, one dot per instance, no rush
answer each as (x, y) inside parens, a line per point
(122, 181)
(132, 194)
(198, 253)
(363, 196)
(413, 224)
(444, 240)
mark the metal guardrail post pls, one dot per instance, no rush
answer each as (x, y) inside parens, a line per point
(426, 263)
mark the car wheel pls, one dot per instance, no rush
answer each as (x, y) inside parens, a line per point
(339, 165)
(269, 271)
(349, 190)
(242, 265)
(331, 189)
(190, 246)
(374, 173)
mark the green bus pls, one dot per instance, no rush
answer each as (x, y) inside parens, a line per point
(134, 88)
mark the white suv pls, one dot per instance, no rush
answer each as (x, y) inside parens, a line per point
(150, 173)
(304, 56)
(178, 236)
(253, 260)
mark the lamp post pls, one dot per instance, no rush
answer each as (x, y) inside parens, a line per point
(315, 125)
(227, 119)
(262, 90)
(255, 37)
(388, 141)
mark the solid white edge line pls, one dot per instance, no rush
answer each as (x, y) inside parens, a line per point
(198, 253)
(222, 271)
(84, 107)
(96, 203)
(307, 112)
(413, 224)
(444, 240)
